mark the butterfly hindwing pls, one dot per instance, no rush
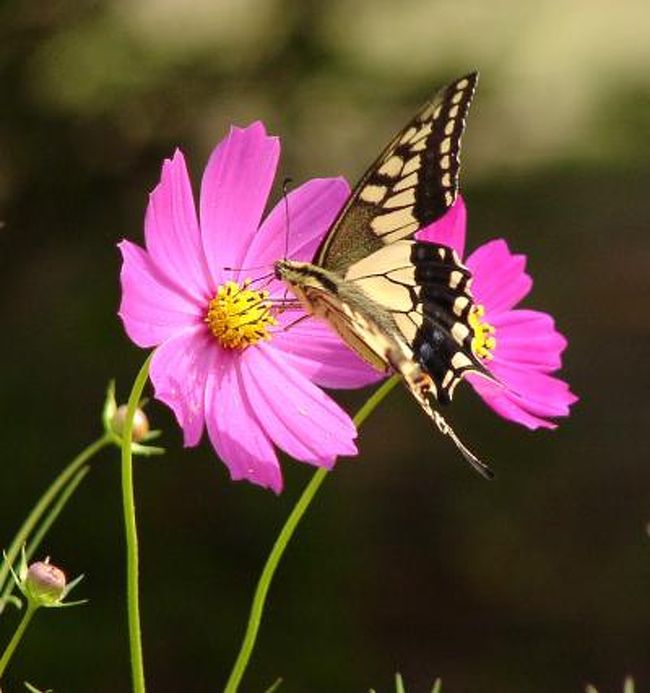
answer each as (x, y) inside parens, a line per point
(412, 183)
(382, 344)
(426, 290)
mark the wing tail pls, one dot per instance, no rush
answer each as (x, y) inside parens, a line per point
(448, 431)
(420, 385)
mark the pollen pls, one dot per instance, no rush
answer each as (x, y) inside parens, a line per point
(483, 341)
(238, 316)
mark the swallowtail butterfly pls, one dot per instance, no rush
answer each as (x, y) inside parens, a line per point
(402, 304)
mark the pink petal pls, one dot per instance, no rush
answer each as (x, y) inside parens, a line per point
(312, 209)
(172, 231)
(500, 281)
(153, 307)
(543, 393)
(234, 191)
(234, 428)
(448, 230)
(314, 349)
(526, 395)
(528, 338)
(178, 372)
(299, 417)
(507, 406)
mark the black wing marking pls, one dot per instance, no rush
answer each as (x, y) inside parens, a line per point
(443, 343)
(412, 183)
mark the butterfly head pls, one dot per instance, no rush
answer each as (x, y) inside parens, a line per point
(282, 270)
(295, 276)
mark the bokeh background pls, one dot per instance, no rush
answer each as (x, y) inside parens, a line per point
(408, 561)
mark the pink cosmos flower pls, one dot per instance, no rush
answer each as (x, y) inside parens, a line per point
(223, 358)
(520, 347)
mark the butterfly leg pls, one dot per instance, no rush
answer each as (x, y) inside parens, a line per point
(295, 322)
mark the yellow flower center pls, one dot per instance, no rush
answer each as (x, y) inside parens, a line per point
(239, 316)
(483, 342)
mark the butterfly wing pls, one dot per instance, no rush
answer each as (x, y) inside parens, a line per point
(401, 304)
(412, 183)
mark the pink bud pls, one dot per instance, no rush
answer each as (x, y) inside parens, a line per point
(45, 583)
(140, 423)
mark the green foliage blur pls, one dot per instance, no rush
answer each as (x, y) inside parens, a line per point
(408, 561)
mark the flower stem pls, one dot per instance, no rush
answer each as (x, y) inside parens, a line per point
(17, 637)
(38, 536)
(41, 507)
(261, 591)
(54, 512)
(130, 527)
(375, 399)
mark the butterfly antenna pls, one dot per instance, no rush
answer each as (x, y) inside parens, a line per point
(285, 194)
(245, 269)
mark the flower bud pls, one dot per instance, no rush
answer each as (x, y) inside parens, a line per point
(45, 583)
(140, 423)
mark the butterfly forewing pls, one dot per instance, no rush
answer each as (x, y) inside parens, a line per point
(412, 183)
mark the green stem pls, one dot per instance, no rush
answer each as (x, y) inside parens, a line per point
(130, 527)
(44, 527)
(13, 643)
(261, 591)
(44, 503)
(61, 501)
(375, 400)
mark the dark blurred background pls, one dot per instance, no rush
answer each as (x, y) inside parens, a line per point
(408, 561)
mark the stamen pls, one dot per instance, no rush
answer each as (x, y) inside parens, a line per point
(483, 342)
(238, 316)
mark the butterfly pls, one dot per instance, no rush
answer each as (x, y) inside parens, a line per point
(401, 304)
